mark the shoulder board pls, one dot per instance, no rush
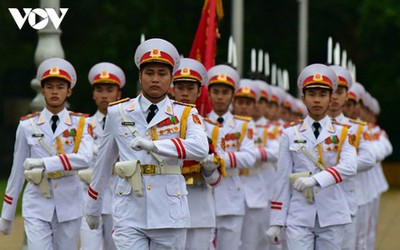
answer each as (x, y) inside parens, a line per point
(185, 104)
(290, 124)
(212, 122)
(262, 126)
(341, 124)
(357, 122)
(243, 118)
(79, 114)
(30, 116)
(119, 101)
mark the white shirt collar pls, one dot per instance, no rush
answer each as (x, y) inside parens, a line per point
(145, 103)
(48, 114)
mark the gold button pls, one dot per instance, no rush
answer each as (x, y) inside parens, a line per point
(316, 190)
(149, 187)
(126, 133)
(147, 133)
(120, 192)
(179, 194)
(55, 186)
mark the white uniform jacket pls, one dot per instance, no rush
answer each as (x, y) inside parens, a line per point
(256, 188)
(164, 201)
(356, 188)
(229, 194)
(200, 197)
(66, 195)
(96, 122)
(288, 206)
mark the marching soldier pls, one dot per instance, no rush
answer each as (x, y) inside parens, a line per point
(236, 149)
(266, 138)
(354, 188)
(50, 147)
(306, 199)
(255, 187)
(107, 80)
(152, 136)
(187, 82)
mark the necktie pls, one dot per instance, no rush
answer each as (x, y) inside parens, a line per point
(54, 120)
(152, 112)
(104, 121)
(316, 126)
(220, 120)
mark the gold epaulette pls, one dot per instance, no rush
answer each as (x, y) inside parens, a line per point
(79, 114)
(212, 122)
(243, 118)
(341, 124)
(30, 115)
(185, 104)
(358, 122)
(119, 101)
(290, 124)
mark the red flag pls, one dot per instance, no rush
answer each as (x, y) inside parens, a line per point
(204, 46)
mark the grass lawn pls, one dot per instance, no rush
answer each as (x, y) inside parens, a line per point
(3, 185)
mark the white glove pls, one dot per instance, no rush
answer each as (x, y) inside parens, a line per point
(303, 183)
(139, 143)
(208, 163)
(30, 163)
(274, 234)
(5, 226)
(93, 221)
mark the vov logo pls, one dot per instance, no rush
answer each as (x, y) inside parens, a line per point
(45, 14)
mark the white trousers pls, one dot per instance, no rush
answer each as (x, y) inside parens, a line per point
(128, 238)
(318, 238)
(198, 239)
(373, 223)
(44, 235)
(100, 238)
(362, 218)
(254, 229)
(350, 235)
(228, 232)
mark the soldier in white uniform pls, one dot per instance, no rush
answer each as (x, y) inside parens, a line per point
(255, 188)
(306, 199)
(150, 208)
(355, 187)
(50, 147)
(107, 80)
(187, 83)
(237, 152)
(266, 137)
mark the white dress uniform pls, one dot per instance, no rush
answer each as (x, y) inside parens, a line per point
(200, 197)
(383, 148)
(111, 74)
(266, 140)
(355, 188)
(315, 218)
(102, 237)
(158, 218)
(255, 188)
(53, 222)
(237, 151)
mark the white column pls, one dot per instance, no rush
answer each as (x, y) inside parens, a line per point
(303, 35)
(237, 31)
(49, 45)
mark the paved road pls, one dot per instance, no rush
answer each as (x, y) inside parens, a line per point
(388, 227)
